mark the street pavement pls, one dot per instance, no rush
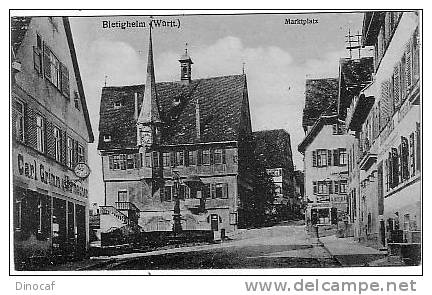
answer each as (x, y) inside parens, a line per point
(280, 246)
(283, 246)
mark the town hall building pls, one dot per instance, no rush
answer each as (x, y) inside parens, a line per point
(154, 137)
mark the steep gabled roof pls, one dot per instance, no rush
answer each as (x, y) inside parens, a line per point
(316, 129)
(354, 75)
(78, 77)
(19, 26)
(220, 98)
(320, 99)
(274, 146)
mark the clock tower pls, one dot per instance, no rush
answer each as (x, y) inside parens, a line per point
(149, 122)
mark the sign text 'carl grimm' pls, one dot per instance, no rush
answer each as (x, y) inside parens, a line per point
(128, 24)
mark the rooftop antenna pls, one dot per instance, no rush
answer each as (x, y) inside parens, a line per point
(106, 77)
(243, 68)
(354, 42)
(186, 48)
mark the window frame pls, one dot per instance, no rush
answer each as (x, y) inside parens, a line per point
(20, 120)
(57, 143)
(124, 193)
(217, 157)
(69, 152)
(40, 133)
(206, 157)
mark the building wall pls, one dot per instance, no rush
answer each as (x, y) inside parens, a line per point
(50, 207)
(156, 212)
(324, 140)
(393, 117)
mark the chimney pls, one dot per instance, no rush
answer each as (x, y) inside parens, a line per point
(197, 120)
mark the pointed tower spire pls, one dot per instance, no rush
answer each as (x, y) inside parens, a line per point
(150, 110)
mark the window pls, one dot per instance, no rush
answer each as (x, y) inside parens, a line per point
(19, 121)
(206, 157)
(40, 133)
(343, 186)
(122, 196)
(116, 162)
(69, 152)
(342, 157)
(218, 156)
(130, 161)
(168, 194)
(77, 100)
(57, 144)
(338, 129)
(81, 157)
(179, 158)
(155, 159)
(412, 154)
(148, 159)
(322, 188)
(123, 162)
(322, 158)
(117, 104)
(107, 138)
(166, 159)
(192, 158)
(219, 190)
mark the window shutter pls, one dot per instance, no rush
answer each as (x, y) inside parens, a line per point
(336, 157)
(186, 157)
(225, 191)
(330, 187)
(173, 158)
(199, 157)
(390, 170)
(396, 87)
(315, 189)
(37, 60)
(64, 73)
(223, 156)
(111, 162)
(408, 63)
(50, 139)
(211, 156)
(418, 147)
(63, 147)
(405, 158)
(416, 57)
(213, 191)
(336, 187)
(395, 167)
(46, 62)
(329, 157)
(314, 158)
(75, 152)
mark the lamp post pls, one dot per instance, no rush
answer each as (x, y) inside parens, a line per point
(177, 228)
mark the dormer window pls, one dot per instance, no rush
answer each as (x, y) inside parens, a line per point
(117, 104)
(107, 138)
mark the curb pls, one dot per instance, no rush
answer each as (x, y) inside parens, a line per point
(97, 264)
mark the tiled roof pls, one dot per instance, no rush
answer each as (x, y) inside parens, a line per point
(19, 26)
(321, 99)
(355, 74)
(275, 148)
(220, 99)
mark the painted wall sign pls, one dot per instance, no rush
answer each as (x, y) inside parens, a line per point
(31, 168)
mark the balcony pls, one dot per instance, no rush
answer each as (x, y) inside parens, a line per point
(125, 206)
(358, 111)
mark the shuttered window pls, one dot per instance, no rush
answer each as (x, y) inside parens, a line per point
(155, 159)
(408, 64)
(412, 154)
(336, 157)
(64, 74)
(18, 113)
(40, 133)
(315, 188)
(69, 154)
(314, 159)
(206, 157)
(396, 87)
(416, 56)
(57, 143)
(217, 156)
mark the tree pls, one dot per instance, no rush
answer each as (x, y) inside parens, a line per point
(256, 204)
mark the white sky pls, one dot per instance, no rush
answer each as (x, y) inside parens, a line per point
(278, 59)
